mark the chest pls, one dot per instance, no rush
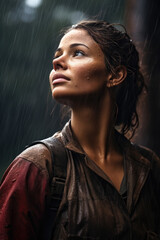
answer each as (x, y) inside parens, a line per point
(92, 208)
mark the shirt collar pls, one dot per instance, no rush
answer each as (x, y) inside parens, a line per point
(132, 150)
(129, 149)
(69, 139)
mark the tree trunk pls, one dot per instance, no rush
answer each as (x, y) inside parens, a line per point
(143, 24)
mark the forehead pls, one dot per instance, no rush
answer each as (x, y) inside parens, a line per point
(78, 36)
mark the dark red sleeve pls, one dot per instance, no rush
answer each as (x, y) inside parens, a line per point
(23, 192)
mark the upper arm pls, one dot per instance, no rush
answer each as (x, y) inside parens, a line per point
(23, 193)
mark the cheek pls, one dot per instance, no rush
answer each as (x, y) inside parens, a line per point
(92, 74)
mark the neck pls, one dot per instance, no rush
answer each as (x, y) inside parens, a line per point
(94, 127)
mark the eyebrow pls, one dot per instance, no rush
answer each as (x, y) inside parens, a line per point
(71, 46)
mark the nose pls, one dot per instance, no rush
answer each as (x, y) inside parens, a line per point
(60, 63)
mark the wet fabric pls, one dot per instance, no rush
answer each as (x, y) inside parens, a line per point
(91, 207)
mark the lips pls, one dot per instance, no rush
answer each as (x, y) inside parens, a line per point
(58, 77)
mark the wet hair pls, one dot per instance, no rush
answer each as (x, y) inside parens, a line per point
(119, 50)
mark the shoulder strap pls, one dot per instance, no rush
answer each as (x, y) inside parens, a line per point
(59, 163)
(58, 154)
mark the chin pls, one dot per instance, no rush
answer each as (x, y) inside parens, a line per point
(61, 98)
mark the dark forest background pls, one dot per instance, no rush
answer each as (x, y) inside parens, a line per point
(29, 34)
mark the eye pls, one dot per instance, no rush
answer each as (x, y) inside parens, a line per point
(79, 53)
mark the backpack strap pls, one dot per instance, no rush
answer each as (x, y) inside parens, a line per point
(59, 163)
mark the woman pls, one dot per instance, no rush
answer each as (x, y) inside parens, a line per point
(112, 186)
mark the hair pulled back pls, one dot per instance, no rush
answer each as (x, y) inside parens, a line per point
(119, 50)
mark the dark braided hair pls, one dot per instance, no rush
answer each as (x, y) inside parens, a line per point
(119, 50)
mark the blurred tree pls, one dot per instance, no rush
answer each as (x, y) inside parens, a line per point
(143, 21)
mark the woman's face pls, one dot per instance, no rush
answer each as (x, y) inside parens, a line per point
(78, 68)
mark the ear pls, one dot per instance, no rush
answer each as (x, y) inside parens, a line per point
(117, 77)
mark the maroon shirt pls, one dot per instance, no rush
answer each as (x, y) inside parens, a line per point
(23, 193)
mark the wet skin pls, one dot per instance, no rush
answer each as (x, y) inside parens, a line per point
(80, 80)
(81, 61)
